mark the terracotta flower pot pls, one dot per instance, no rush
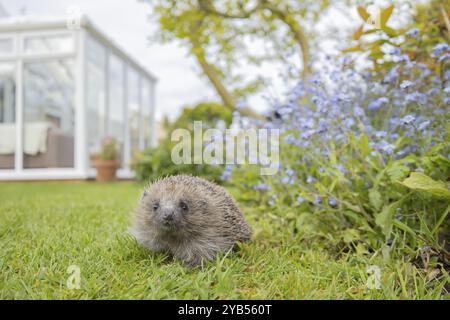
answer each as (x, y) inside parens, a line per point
(106, 169)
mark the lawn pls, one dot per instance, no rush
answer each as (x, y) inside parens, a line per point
(47, 227)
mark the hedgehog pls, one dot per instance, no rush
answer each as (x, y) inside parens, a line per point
(190, 218)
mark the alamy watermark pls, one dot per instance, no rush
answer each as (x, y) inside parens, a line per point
(374, 279)
(73, 19)
(74, 279)
(230, 146)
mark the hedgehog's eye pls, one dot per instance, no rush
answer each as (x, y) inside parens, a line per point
(155, 206)
(183, 206)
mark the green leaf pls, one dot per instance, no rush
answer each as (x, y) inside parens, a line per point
(350, 235)
(397, 172)
(385, 218)
(404, 227)
(363, 13)
(353, 49)
(421, 182)
(375, 199)
(364, 145)
(385, 14)
(358, 33)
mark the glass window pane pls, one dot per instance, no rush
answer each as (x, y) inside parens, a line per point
(6, 46)
(7, 115)
(146, 105)
(49, 44)
(49, 114)
(116, 123)
(95, 91)
(133, 110)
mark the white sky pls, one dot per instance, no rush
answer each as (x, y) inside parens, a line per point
(179, 79)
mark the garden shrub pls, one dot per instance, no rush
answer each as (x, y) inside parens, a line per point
(153, 163)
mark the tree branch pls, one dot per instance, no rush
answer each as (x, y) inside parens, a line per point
(214, 77)
(446, 20)
(208, 7)
(298, 33)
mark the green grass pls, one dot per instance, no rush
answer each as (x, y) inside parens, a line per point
(46, 227)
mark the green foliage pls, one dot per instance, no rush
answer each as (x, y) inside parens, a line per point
(429, 23)
(154, 163)
(423, 183)
(209, 113)
(157, 162)
(374, 204)
(109, 149)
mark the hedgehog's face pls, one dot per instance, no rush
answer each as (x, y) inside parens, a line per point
(171, 212)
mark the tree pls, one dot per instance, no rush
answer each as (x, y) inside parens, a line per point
(214, 32)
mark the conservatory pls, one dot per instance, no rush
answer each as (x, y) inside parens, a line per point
(63, 89)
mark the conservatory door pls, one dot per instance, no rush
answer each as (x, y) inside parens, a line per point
(48, 136)
(7, 115)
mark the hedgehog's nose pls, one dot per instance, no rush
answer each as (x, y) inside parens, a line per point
(168, 216)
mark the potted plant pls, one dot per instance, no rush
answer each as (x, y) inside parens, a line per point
(107, 160)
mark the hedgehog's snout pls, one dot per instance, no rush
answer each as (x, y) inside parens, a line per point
(168, 216)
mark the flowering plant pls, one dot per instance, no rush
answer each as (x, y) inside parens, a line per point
(354, 145)
(109, 149)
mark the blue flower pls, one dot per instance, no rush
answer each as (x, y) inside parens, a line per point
(447, 75)
(402, 58)
(341, 168)
(300, 200)
(395, 51)
(385, 146)
(414, 32)
(359, 112)
(422, 126)
(262, 186)
(226, 174)
(290, 172)
(392, 75)
(408, 119)
(406, 84)
(349, 122)
(377, 103)
(447, 89)
(440, 49)
(416, 97)
(290, 138)
(317, 200)
(310, 179)
(307, 134)
(322, 126)
(432, 92)
(332, 202)
(287, 180)
(241, 104)
(444, 58)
